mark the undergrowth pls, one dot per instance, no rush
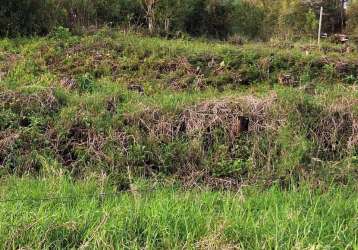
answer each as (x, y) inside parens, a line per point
(203, 112)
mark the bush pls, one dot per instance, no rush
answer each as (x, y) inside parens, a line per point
(26, 17)
(60, 33)
(196, 17)
(212, 18)
(39, 17)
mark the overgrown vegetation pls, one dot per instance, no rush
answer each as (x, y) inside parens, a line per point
(113, 139)
(204, 112)
(259, 19)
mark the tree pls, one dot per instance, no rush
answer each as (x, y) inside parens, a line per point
(170, 14)
(150, 9)
(247, 19)
(334, 13)
(26, 17)
(352, 13)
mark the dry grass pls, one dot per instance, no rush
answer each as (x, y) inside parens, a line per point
(337, 130)
(8, 60)
(205, 117)
(43, 102)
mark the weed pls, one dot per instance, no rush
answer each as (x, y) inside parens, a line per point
(170, 217)
(201, 110)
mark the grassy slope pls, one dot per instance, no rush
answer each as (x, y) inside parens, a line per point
(66, 110)
(172, 218)
(65, 102)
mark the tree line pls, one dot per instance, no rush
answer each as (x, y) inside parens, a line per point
(251, 19)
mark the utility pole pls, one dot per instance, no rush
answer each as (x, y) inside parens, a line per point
(320, 27)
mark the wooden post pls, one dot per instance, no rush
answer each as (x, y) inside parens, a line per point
(320, 27)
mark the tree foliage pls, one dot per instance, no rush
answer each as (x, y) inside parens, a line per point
(353, 17)
(254, 19)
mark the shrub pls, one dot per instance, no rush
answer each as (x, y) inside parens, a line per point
(25, 17)
(60, 33)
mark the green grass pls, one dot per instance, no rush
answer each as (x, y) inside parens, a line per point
(66, 101)
(77, 114)
(170, 217)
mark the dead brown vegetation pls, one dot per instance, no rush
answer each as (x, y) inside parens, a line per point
(234, 116)
(7, 61)
(337, 130)
(7, 141)
(43, 102)
(185, 74)
(99, 56)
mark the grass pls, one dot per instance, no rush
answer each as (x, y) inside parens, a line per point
(173, 218)
(85, 115)
(75, 96)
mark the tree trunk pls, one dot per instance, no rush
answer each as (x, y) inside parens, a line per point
(150, 14)
(167, 25)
